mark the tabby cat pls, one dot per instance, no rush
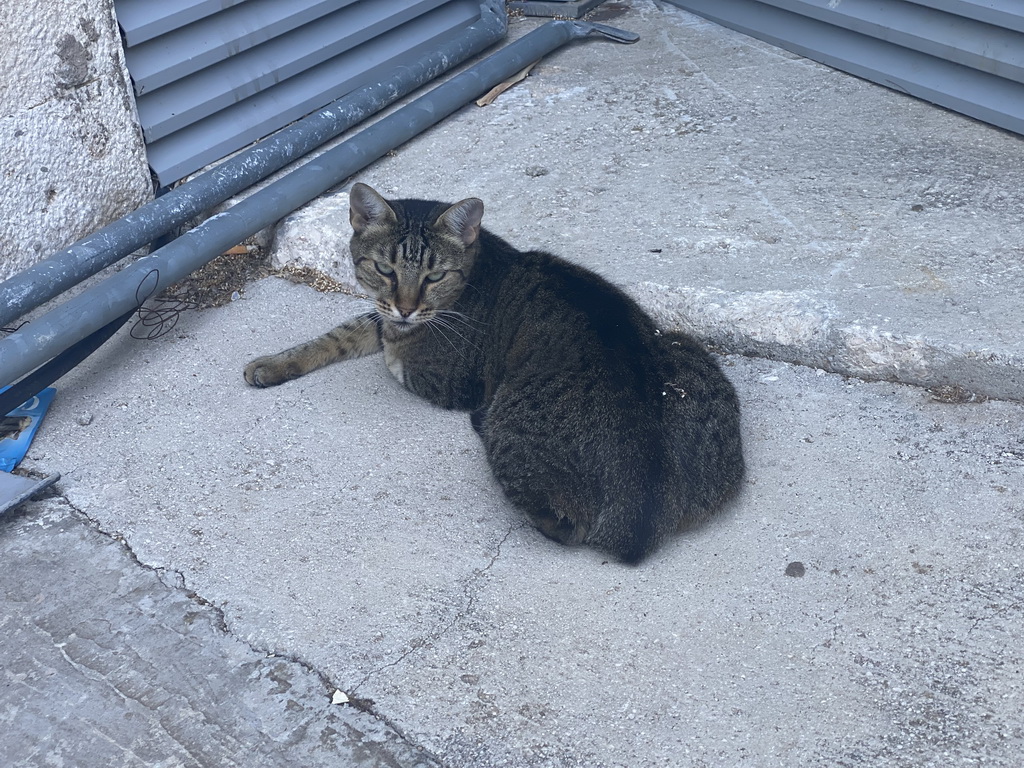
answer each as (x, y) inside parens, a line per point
(602, 428)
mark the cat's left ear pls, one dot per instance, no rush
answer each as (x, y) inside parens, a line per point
(366, 207)
(463, 220)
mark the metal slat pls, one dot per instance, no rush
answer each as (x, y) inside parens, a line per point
(953, 38)
(1007, 14)
(143, 20)
(563, 9)
(232, 80)
(973, 92)
(208, 140)
(189, 49)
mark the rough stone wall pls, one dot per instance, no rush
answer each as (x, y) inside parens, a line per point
(71, 152)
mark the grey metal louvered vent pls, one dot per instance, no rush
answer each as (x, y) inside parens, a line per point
(966, 55)
(212, 76)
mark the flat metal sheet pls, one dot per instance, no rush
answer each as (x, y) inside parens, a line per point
(15, 489)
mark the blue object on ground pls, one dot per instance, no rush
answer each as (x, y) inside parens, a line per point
(20, 426)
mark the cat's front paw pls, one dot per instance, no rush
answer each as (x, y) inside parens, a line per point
(265, 372)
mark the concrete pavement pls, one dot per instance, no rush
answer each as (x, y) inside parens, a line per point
(110, 662)
(860, 603)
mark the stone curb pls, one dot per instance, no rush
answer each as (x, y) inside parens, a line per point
(799, 327)
(790, 326)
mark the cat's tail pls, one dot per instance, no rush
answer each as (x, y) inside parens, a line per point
(633, 520)
(702, 422)
(685, 453)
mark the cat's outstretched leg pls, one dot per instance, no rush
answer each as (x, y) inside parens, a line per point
(354, 338)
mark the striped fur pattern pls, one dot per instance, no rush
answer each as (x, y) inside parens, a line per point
(604, 429)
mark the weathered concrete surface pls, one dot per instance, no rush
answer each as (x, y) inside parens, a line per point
(73, 157)
(342, 523)
(105, 663)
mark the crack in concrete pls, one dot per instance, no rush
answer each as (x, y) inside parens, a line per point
(468, 593)
(994, 610)
(220, 621)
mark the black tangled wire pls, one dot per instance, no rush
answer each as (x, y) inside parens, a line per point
(154, 319)
(161, 314)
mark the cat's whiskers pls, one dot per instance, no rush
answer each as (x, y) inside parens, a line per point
(465, 319)
(443, 323)
(436, 331)
(364, 321)
(367, 305)
(437, 323)
(362, 298)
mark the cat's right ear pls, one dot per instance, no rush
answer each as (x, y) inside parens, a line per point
(366, 208)
(463, 220)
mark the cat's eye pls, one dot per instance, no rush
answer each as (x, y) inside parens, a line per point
(433, 277)
(385, 269)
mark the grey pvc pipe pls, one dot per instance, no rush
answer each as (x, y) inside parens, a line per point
(48, 335)
(54, 275)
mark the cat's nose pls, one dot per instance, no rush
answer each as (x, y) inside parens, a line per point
(404, 311)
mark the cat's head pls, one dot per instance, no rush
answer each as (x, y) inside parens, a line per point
(413, 257)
